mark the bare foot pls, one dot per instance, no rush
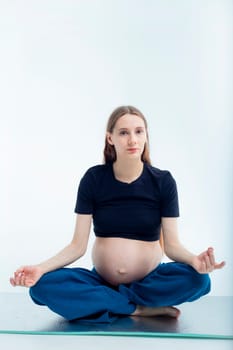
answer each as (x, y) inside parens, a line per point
(156, 311)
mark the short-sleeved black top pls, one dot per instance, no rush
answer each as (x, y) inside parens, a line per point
(125, 210)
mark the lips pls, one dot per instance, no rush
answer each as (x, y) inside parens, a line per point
(132, 149)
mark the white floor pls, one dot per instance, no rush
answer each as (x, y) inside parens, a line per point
(50, 342)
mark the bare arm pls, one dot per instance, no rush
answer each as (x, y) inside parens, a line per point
(172, 245)
(75, 249)
(29, 275)
(202, 263)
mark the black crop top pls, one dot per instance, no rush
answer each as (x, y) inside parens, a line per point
(125, 210)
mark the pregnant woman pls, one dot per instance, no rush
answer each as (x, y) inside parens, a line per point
(130, 203)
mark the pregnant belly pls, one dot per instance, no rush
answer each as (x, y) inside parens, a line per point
(120, 260)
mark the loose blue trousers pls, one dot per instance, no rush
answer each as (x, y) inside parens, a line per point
(77, 293)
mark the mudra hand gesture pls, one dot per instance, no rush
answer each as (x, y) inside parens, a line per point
(26, 276)
(205, 262)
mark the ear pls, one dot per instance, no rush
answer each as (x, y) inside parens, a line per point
(109, 138)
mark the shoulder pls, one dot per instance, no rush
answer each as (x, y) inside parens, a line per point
(92, 179)
(97, 170)
(163, 178)
(158, 173)
(96, 173)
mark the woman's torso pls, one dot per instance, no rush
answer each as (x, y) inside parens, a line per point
(127, 220)
(121, 260)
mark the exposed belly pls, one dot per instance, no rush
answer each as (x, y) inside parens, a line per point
(121, 260)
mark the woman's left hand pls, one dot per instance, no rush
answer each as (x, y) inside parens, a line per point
(205, 262)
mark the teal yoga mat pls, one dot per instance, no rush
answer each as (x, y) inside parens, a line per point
(208, 318)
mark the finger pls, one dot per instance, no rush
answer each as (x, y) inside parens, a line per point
(22, 280)
(211, 256)
(12, 282)
(19, 278)
(16, 278)
(220, 265)
(20, 270)
(208, 263)
(203, 267)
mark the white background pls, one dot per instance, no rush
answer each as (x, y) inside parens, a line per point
(64, 66)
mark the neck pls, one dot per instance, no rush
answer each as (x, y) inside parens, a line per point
(127, 171)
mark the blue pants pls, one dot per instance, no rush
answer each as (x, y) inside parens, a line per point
(77, 293)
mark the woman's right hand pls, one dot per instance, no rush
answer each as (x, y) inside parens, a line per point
(26, 276)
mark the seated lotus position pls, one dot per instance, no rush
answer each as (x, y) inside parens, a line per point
(130, 203)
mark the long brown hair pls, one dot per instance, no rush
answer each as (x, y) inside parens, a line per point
(109, 150)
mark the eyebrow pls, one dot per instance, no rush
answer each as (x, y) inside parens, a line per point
(137, 127)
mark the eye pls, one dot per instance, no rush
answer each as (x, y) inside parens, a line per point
(139, 131)
(123, 132)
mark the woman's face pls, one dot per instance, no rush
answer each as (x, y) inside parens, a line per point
(128, 137)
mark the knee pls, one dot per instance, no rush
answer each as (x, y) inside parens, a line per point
(47, 285)
(201, 282)
(41, 291)
(38, 291)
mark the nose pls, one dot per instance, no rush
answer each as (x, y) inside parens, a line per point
(132, 139)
